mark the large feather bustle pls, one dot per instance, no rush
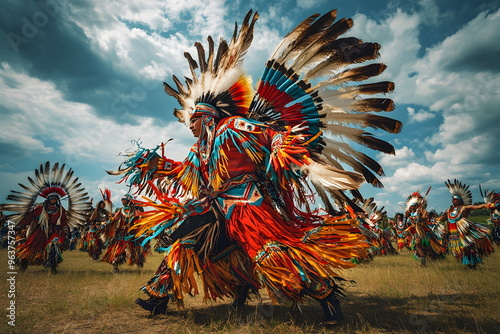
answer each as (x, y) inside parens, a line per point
(46, 179)
(457, 188)
(307, 82)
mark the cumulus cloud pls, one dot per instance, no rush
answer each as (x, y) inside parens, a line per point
(420, 115)
(109, 53)
(401, 158)
(44, 121)
(398, 36)
(441, 82)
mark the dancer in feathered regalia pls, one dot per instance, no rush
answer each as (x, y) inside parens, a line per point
(227, 272)
(492, 199)
(123, 246)
(100, 217)
(469, 242)
(45, 227)
(425, 242)
(369, 220)
(261, 156)
(403, 237)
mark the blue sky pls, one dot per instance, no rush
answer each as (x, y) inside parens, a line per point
(79, 81)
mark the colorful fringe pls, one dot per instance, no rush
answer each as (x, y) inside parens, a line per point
(37, 249)
(431, 242)
(176, 276)
(122, 251)
(470, 242)
(93, 243)
(304, 261)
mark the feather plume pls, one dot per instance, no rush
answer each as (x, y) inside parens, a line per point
(303, 35)
(360, 105)
(358, 161)
(361, 137)
(457, 188)
(353, 74)
(326, 44)
(346, 92)
(350, 55)
(293, 36)
(365, 120)
(332, 178)
(488, 195)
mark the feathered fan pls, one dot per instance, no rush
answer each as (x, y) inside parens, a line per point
(50, 180)
(374, 213)
(306, 81)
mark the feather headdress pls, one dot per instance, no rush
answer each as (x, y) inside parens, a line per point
(374, 213)
(489, 196)
(50, 181)
(106, 197)
(416, 198)
(217, 79)
(460, 190)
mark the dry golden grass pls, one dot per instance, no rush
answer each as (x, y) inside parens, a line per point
(391, 295)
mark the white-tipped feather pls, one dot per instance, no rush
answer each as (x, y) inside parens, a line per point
(457, 188)
(332, 178)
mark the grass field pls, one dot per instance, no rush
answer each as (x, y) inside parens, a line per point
(391, 295)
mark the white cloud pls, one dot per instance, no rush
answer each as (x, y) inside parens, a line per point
(465, 151)
(448, 80)
(420, 115)
(402, 157)
(144, 38)
(307, 4)
(431, 14)
(398, 36)
(43, 114)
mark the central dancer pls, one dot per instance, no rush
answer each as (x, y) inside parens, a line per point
(263, 156)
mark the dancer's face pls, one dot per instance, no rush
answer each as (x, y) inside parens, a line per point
(195, 126)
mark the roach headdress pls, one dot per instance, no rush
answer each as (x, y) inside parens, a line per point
(459, 190)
